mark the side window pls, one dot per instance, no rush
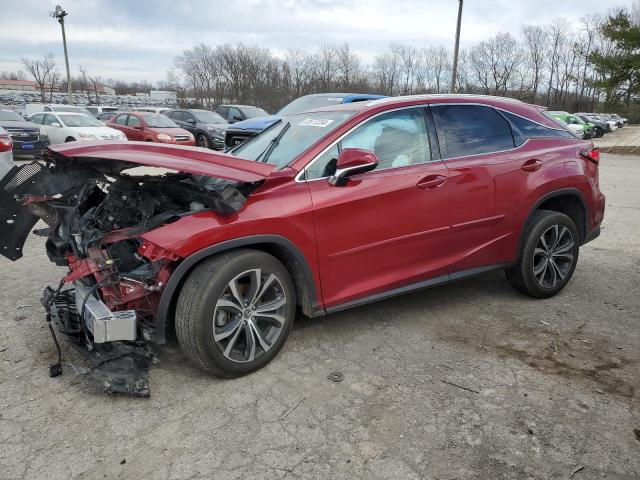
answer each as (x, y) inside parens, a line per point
(399, 139)
(234, 112)
(534, 130)
(473, 130)
(186, 116)
(133, 121)
(37, 118)
(223, 112)
(49, 119)
(93, 110)
(121, 120)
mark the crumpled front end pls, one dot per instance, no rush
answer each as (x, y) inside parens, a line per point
(95, 214)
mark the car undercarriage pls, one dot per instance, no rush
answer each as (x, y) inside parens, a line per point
(95, 212)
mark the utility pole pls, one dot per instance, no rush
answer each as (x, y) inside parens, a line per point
(59, 15)
(454, 74)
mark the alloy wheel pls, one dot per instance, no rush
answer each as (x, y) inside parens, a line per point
(202, 141)
(249, 315)
(553, 256)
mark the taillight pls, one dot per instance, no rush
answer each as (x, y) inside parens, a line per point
(592, 154)
(5, 143)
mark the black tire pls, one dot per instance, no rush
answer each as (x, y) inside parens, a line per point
(202, 140)
(198, 313)
(69, 139)
(534, 255)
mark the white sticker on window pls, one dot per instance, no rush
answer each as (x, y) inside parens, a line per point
(311, 122)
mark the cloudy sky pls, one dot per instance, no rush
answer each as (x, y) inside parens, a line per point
(138, 39)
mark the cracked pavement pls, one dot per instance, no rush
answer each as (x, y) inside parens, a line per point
(549, 385)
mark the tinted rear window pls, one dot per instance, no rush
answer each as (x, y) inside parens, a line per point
(534, 130)
(473, 130)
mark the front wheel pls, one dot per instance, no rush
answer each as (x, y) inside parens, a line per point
(235, 312)
(203, 141)
(548, 257)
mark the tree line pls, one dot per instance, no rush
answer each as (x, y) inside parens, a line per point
(557, 65)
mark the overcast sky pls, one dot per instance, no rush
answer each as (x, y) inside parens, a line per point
(138, 39)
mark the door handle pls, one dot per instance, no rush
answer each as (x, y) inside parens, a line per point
(432, 181)
(531, 165)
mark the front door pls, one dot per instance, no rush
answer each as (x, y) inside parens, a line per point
(389, 227)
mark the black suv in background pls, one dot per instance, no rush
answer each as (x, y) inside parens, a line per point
(26, 136)
(238, 113)
(208, 127)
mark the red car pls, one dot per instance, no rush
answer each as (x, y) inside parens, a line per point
(151, 127)
(325, 210)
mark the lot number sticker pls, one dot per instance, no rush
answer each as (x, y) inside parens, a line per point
(310, 122)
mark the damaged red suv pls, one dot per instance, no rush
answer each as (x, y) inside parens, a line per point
(324, 210)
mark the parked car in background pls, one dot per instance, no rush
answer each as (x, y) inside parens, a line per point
(63, 127)
(621, 120)
(238, 113)
(26, 136)
(613, 118)
(207, 127)
(31, 108)
(241, 131)
(161, 110)
(95, 110)
(575, 124)
(106, 116)
(6, 152)
(324, 211)
(151, 127)
(600, 126)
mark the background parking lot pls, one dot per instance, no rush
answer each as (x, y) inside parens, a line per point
(466, 380)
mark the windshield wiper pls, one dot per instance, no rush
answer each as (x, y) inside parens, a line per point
(273, 143)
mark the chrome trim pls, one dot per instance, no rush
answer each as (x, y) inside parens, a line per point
(302, 172)
(342, 173)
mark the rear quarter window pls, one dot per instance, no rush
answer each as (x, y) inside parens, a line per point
(532, 129)
(473, 130)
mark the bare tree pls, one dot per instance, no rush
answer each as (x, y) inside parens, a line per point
(85, 83)
(40, 70)
(495, 61)
(535, 48)
(96, 83)
(54, 81)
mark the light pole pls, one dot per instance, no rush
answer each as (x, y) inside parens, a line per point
(454, 74)
(59, 15)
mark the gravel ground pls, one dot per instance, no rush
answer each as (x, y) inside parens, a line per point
(551, 387)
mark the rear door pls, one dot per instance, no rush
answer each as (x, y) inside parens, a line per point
(486, 179)
(120, 123)
(386, 228)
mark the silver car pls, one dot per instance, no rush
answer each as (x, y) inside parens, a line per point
(6, 152)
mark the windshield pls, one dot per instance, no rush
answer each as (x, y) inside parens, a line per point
(80, 121)
(159, 121)
(254, 112)
(208, 117)
(10, 116)
(283, 141)
(309, 102)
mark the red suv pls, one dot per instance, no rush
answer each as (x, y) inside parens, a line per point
(151, 127)
(324, 210)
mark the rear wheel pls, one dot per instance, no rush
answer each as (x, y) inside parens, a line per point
(549, 255)
(235, 311)
(69, 139)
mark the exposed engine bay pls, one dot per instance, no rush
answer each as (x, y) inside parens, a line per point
(95, 212)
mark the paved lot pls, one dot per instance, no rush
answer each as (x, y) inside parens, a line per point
(553, 384)
(624, 140)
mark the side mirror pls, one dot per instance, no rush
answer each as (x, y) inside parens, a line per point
(138, 127)
(191, 121)
(237, 118)
(55, 124)
(352, 161)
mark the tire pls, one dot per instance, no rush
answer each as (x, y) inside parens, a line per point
(207, 306)
(202, 140)
(541, 271)
(69, 139)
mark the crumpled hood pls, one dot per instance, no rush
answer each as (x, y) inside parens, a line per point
(183, 159)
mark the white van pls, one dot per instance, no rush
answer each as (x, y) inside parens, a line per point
(96, 110)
